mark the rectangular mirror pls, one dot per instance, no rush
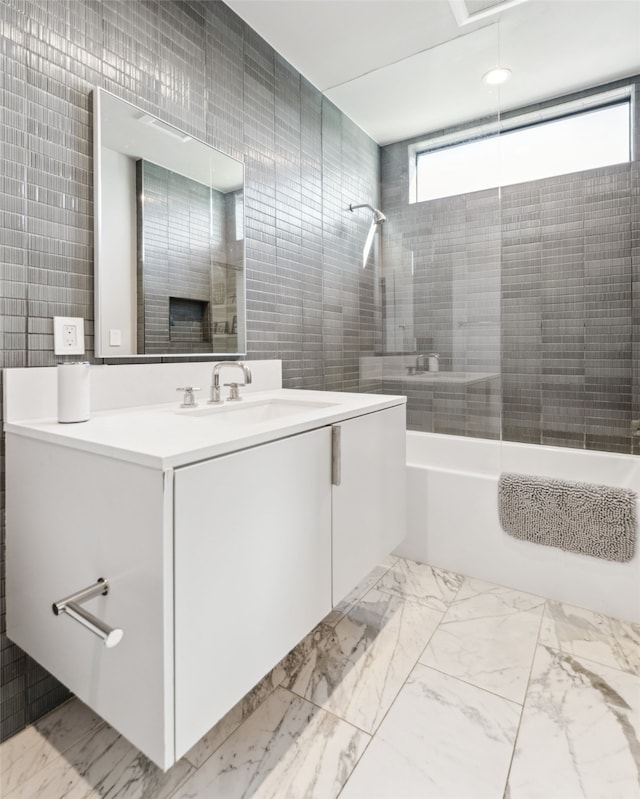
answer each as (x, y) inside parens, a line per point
(169, 239)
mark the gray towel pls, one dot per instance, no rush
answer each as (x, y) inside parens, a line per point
(590, 519)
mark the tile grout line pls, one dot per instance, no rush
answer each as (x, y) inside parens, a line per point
(279, 684)
(524, 702)
(470, 684)
(564, 653)
(405, 681)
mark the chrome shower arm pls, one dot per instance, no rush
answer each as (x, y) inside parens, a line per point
(379, 216)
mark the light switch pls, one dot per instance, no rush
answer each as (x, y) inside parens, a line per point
(115, 338)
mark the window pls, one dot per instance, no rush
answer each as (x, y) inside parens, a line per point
(571, 143)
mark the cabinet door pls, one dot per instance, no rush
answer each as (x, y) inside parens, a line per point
(252, 570)
(369, 508)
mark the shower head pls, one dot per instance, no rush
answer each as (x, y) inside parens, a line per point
(378, 216)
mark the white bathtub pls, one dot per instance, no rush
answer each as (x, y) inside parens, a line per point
(453, 519)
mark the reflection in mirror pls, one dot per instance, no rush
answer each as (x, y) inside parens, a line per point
(169, 238)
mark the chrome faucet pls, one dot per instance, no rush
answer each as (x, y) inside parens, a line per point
(215, 382)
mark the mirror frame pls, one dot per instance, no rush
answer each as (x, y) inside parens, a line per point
(100, 267)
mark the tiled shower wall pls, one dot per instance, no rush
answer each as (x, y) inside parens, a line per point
(535, 282)
(199, 67)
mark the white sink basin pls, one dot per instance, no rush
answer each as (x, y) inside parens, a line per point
(255, 412)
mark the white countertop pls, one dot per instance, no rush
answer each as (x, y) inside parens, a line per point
(165, 436)
(459, 378)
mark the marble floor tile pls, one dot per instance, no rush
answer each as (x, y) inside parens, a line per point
(102, 764)
(288, 749)
(35, 747)
(353, 597)
(442, 738)
(357, 671)
(488, 638)
(580, 732)
(418, 582)
(591, 635)
(289, 665)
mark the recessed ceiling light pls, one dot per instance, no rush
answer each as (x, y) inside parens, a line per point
(496, 76)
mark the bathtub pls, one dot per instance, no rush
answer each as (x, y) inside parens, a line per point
(453, 519)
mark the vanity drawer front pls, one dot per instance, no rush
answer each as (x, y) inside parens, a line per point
(252, 570)
(73, 517)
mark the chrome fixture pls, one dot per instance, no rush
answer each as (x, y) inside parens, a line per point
(234, 394)
(378, 216)
(420, 367)
(378, 219)
(336, 454)
(71, 606)
(189, 400)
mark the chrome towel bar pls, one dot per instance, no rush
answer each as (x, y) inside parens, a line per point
(71, 605)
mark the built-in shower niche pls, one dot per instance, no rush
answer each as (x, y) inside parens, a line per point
(189, 321)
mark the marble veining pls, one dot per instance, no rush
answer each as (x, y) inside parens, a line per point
(487, 637)
(36, 746)
(353, 597)
(442, 738)
(581, 721)
(210, 742)
(592, 635)
(413, 689)
(418, 582)
(357, 671)
(102, 764)
(288, 749)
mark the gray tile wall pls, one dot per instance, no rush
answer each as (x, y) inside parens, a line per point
(196, 65)
(542, 276)
(567, 304)
(181, 235)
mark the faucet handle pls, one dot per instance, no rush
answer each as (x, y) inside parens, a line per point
(189, 400)
(234, 394)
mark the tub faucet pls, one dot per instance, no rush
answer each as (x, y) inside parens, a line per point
(215, 381)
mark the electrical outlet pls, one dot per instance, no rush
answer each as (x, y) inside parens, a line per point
(68, 335)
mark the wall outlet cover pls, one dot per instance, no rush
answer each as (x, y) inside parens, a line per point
(68, 335)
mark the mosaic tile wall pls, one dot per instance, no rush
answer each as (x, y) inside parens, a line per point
(199, 67)
(181, 235)
(536, 283)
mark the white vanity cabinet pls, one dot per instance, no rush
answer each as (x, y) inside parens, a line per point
(252, 570)
(369, 510)
(72, 518)
(217, 565)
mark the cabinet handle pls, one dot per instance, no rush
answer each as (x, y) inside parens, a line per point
(336, 431)
(71, 605)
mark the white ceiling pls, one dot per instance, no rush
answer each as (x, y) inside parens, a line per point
(402, 68)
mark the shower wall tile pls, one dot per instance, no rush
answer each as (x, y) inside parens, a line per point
(535, 283)
(635, 284)
(198, 66)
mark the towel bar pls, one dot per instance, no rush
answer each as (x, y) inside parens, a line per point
(71, 605)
